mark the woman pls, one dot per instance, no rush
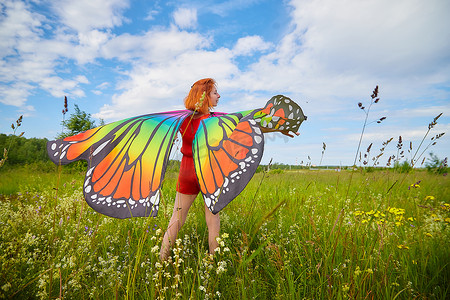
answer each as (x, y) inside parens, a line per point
(202, 97)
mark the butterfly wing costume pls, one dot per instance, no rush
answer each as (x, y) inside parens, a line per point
(127, 159)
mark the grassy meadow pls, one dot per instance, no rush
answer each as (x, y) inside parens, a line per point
(290, 235)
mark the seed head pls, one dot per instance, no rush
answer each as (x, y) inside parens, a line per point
(65, 109)
(381, 120)
(375, 93)
(432, 124)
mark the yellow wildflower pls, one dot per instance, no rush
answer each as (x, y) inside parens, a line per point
(411, 219)
(447, 220)
(428, 234)
(364, 221)
(401, 246)
(429, 198)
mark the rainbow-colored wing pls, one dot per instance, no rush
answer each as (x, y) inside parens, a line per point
(228, 149)
(126, 162)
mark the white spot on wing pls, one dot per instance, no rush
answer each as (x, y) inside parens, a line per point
(207, 202)
(100, 148)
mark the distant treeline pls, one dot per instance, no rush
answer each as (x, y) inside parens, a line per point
(23, 150)
(33, 151)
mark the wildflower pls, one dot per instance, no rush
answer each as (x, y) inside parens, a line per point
(221, 267)
(364, 221)
(429, 198)
(415, 185)
(447, 220)
(155, 249)
(370, 271)
(199, 104)
(6, 287)
(411, 219)
(345, 288)
(357, 271)
(428, 234)
(358, 213)
(202, 288)
(401, 246)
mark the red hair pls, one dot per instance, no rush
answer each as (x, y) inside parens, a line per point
(192, 101)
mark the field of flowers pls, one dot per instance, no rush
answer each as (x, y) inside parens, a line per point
(291, 235)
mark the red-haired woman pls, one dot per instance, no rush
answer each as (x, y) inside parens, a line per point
(202, 97)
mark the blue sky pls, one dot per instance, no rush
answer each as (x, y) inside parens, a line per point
(117, 59)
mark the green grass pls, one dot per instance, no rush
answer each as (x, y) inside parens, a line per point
(292, 235)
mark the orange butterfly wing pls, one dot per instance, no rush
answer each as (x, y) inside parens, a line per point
(227, 151)
(126, 162)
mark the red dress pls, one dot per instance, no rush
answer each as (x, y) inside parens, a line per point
(187, 180)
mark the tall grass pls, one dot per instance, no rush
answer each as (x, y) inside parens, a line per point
(303, 239)
(289, 235)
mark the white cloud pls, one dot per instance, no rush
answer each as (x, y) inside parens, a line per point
(154, 46)
(86, 15)
(89, 45)
(15, 95)
(250, 44)
(185, 18)
(162, 87)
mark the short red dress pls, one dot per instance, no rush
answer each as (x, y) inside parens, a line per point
(187, 180)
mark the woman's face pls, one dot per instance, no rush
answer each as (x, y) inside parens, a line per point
(214, 97)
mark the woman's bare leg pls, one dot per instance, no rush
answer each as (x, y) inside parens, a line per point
(213, 223)
(180, 210)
